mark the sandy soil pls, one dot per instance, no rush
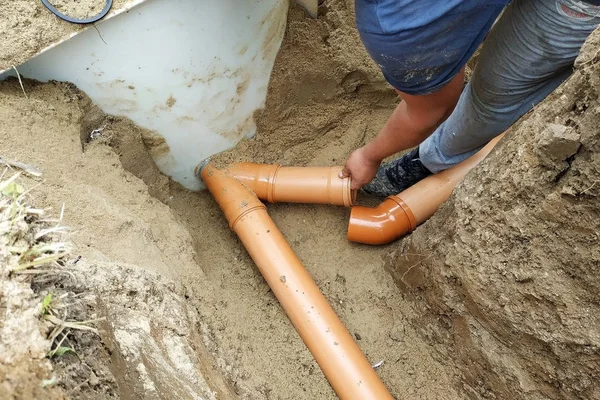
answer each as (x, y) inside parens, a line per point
(27, 26)
(326, 98)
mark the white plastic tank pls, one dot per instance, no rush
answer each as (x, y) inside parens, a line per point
(192, 72)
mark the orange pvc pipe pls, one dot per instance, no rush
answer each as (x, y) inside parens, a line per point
(400, 214)
(277, 184)
(347, 369)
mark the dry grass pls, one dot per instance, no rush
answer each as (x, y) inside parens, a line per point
(30, 243)
(33, 249)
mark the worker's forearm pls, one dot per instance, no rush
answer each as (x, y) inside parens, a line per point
(415, 118)
(402, 131)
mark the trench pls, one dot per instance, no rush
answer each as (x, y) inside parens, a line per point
(323, 101)
(251, 333)
(240, 336)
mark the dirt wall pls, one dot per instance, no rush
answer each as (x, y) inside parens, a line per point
(507, 273)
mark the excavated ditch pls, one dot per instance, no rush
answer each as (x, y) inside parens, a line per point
(189, 314)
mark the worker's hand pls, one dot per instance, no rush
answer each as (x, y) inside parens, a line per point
(360, 168)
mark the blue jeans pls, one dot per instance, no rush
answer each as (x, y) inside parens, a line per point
(528, 53)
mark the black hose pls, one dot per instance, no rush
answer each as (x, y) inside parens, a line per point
(90, 20)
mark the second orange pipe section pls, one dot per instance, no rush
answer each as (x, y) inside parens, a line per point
(400, 214)
(341, 360)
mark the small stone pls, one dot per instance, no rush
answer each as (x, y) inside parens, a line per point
(568, 190)
(522, 277)
(282, 278)
(556, 144)
(397, 333)
(93, 379)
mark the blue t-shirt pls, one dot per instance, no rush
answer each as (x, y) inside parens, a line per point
(420, 45)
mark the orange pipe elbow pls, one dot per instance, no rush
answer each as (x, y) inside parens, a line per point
(277, 184)
(400, 214)
(341, 360)
(382, 224)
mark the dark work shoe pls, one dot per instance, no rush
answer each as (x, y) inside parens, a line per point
(395, 176)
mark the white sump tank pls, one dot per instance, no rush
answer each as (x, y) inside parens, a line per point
(191, 72)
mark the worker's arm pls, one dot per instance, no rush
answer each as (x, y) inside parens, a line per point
(413, 120)
(421, 48)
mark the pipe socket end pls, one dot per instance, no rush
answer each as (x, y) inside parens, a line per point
(200, 168)
(391, 220)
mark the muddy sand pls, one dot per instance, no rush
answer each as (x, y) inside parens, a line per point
(325, 99)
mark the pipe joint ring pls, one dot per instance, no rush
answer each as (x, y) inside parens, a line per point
(409, 214)
(244, 213)
(272, 178)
